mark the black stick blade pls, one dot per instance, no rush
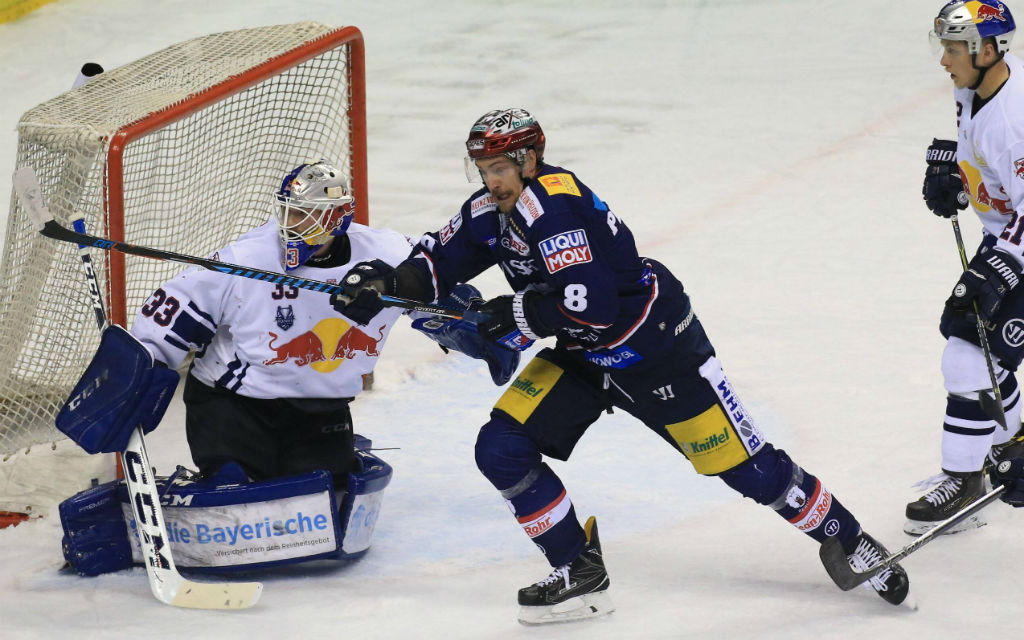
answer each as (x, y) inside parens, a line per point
(993, 407)
(838, 567)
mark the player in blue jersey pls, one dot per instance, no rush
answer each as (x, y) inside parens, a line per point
(627, 338)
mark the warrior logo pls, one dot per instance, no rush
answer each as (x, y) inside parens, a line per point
(1013, 332)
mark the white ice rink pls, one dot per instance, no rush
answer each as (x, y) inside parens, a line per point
(771, 153)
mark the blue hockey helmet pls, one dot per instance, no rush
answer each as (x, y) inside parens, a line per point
(313, 204)
(973, 21)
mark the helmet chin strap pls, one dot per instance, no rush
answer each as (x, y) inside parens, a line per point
(982, 70)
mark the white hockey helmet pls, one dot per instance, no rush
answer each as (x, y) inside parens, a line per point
(320, 192)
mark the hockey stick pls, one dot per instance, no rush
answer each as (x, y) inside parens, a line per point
(26, 185)
(165, 582)
(90, 275)
(991, 405)
(838, 566)
(169, 586)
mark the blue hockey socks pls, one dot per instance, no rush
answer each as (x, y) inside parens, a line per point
(771, 478)
(536, 496)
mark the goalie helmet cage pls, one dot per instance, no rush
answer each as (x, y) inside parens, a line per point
(180, 150)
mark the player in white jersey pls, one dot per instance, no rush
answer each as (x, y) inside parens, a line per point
(985, 167)
(275, 366)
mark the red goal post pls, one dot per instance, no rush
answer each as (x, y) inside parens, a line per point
(180, 150)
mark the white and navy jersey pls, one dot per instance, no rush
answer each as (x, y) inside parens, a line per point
(265, 340)
(990, 152)
(600, 296)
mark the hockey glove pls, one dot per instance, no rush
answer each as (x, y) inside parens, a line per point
(943, 188)
(505, 321)
(989, 278)
(1011, 473)
(362, 287)
(462, 336)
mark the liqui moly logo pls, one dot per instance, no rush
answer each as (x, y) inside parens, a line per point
(565, 250)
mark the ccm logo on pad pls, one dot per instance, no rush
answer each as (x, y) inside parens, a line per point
(565, 250)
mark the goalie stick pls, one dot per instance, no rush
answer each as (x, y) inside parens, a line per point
(167, 585)
(838, 566)
(26, 185)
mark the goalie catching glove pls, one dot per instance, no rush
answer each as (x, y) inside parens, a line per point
(462, 336)
(122, 388)
(988, 279)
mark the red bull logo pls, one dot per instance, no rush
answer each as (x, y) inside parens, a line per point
(326, 346)
(984, 12)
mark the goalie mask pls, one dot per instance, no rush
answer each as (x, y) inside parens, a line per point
(508, 132)
(313, 205)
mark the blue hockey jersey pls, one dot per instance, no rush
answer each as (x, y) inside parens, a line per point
(599, 295)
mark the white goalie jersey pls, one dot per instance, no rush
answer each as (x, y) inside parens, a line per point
(990, 152)
(265, 340)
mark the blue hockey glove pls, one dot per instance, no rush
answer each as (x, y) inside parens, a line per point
(990, 276)
(505, 321)
(943, 188)
(1011, 473)
(362, 287)
(463, 336)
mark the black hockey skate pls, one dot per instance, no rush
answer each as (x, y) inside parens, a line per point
(954, 492)
(891, 583)
(573, 591)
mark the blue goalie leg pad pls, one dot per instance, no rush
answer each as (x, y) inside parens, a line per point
(536, 496)
(226, 523)
(771, 478)
(95, 534)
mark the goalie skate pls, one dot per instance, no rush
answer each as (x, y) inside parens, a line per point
(573, 591)
(949, 495)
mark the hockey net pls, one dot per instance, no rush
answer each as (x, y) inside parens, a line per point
(180, 150)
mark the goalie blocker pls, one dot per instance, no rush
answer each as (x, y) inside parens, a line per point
(122, 388)
(227, 523)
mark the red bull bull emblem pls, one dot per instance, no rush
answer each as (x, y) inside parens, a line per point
(326, 346)
(984, 12)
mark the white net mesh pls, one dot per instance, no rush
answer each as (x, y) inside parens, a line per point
(190, 185)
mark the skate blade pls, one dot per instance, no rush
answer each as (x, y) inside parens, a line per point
(919, 527)
(591, 605)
